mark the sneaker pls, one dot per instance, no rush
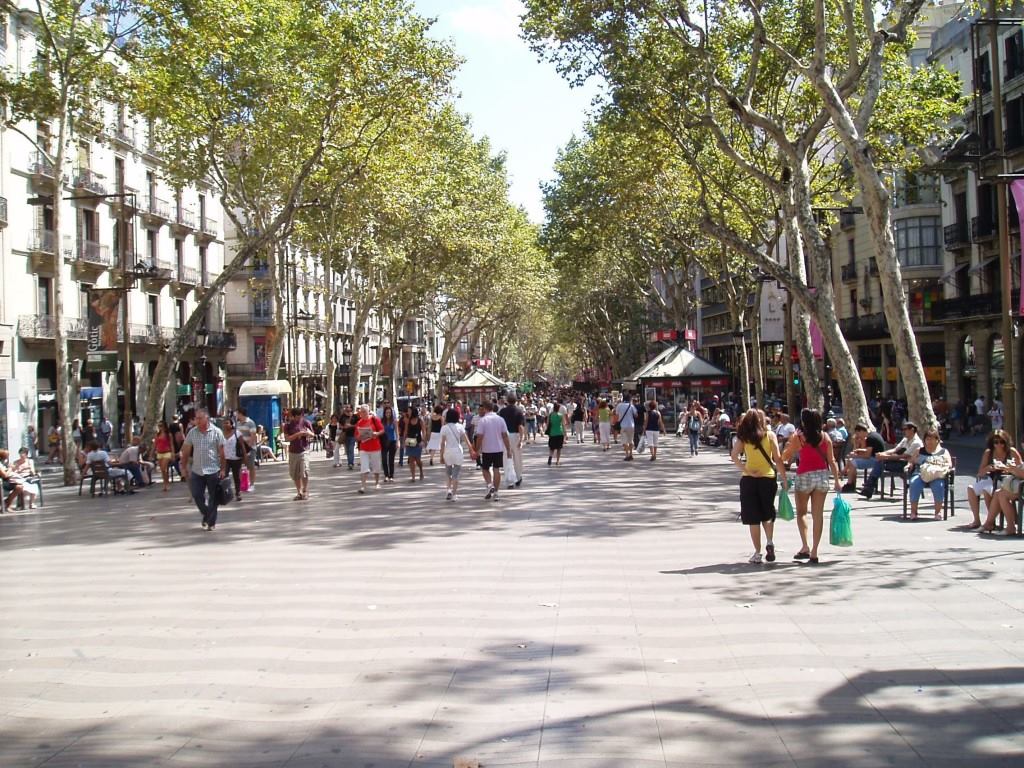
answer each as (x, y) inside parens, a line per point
(755, 558)
(770, 553)
(252, 487)
(495, 496)
(204, 526)
(455, 497)
(490, 493)
(519, 482)
(448, 495)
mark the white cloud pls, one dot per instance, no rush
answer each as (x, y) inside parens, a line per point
(493, 20)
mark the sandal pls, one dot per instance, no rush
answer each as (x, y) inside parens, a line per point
(973, 526)
(987, 530)
(938, 515)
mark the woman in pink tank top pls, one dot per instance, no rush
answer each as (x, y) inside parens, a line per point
(814, 449)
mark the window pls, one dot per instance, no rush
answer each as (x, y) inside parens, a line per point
(43, 293)
(153, 309)
(119, 173)
(854, 309)
(151, 246)
(3, 32)
(919, 241)
(983, 73)
(262, 304)
(179, 313)
(83, 300)
(179, 252)
(850, 250)
(916, 189)
(204, 277)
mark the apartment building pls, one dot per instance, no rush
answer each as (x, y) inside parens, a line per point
(118, 213)
(308, 289)
(970, 306)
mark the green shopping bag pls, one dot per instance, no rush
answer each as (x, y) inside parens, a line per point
(785, 506)
(840, 530)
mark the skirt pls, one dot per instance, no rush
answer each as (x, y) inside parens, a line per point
(435, 442)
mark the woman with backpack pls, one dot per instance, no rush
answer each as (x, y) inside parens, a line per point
(817, 462)
(759, 481)
(694, 425)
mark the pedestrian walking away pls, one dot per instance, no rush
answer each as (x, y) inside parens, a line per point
(234, 453)
(694, 424)
(204, 462)
(556, 432)
(247, 429)
(348, 434)
(515, 421)
(759, 479)
(655, 426)
(298, 432)
(412, 439)
(453, 436)
(579, 418)
(163, 445)
(369, 431)
(625, 417)
(816, 463)
(389, 443)
(436, 422)
(492, 445)
(604, 424)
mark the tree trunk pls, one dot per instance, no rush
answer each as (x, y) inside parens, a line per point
(755, 346)
(329, 352)
(60, 342)
(876, 201)
(276, 268)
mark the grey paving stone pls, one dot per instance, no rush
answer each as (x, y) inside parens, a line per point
(609, 624)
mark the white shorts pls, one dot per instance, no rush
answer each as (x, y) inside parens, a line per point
(652, 438)
(983, 486)
(369, 461)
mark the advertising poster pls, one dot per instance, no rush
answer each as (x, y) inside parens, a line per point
(101, 342)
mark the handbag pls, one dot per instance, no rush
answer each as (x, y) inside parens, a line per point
(785, 506)
(411, 442)
(225, 491)
(840, 530)
(930, 472)
(1011, 484)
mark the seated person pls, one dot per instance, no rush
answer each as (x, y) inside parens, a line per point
(13, 483)
(24, 469)
(263, 450)
(894, 460)
(930, 463)
(865, 446)
(131, 461)
(998, 455)
(95, 453)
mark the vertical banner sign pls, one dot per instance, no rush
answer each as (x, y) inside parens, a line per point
(101, 343)
(1017, 187)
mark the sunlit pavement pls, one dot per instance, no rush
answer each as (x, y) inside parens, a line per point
(602, 615)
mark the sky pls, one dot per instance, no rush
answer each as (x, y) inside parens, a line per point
(522, 105)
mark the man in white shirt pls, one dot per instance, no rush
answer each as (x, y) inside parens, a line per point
(785, 430)
(246, 428)
(116, 473)
(894, 460)
(492, 444)
(625, 414)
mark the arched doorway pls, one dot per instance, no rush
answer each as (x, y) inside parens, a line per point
(969, 370)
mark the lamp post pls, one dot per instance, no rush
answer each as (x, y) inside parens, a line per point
(202, 338)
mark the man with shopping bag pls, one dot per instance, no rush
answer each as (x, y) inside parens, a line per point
(515, 422)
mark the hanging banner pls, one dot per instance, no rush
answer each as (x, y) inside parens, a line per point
(1017, 188)
(101, 342)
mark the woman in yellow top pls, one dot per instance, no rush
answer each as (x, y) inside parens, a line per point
(604, 424)
(759, 482)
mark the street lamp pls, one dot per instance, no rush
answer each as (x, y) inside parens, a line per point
(202, 339)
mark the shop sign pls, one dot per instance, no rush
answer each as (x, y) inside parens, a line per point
(774, 372)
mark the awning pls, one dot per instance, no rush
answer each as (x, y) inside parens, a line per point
(948, 276)
(981, 265)
(264, 387)
(91, 393)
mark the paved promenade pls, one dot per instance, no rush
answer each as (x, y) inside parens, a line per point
(602, 615)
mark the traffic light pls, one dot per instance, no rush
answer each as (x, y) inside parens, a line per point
(796, 379)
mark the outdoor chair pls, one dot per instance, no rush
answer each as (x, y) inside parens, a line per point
(948, 504)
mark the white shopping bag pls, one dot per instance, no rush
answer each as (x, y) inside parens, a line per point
(642, 445)
(511, 478)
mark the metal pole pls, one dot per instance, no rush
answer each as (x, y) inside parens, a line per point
(126, 287)
(1009, 385)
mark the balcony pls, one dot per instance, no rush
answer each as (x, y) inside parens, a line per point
(88, 181)
(156, 211)
(44, 328)
(3, 211)
(864, 327)
(146, 334)
(184, 220)
(984, 305)
(40, 167)
(246, 370)
(126, 203)
(90, 254)
(160, 273)
(249, 319)
(123, 135)
(188, 275)
(311, 323)
(847, 220)
(955, 236)
(208, 229)
(848, 273)
(260, 271)
(221, 340)
(982, 229)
